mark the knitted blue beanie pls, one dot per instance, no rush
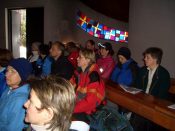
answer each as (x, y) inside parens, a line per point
(124, 51)
(22, 66)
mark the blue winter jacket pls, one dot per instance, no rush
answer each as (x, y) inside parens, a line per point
(44, 66)
(2, 81)
(12, 112)
(125, 75)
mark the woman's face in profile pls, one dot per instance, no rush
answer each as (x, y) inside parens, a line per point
(34, 113)
(13, 79)
(104, 52)
(122, 59)
(82, 61)
(150, 61)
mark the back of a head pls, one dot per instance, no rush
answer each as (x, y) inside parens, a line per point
(71, 46)
(59, 45)
(36, 43)
(44, 49)
(91, 42)
(58, 94)
(5, 57)
(155, 52)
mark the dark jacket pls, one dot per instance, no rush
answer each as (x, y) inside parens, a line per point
(160, 82)
(62, 67)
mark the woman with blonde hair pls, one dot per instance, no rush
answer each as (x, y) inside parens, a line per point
(50, 105)
(90, 89)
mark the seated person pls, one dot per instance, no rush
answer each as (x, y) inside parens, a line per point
(34, 54)
(126, 70)
(44, 62)
(13, 98)
(5, 57)
(90, 44)
(106, 63)
(61, 66)
(50, 105)
(90, 89)
(73, 52)
(152, 79)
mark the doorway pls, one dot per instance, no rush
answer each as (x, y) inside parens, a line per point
(24, 27)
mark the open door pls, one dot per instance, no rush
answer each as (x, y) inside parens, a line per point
(24, 27)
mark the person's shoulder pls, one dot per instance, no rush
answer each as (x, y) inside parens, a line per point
(143, 70)
(22, 90)
(163, 69)
(49, 59)
(65, 62)
(132, 61)
(62, 59)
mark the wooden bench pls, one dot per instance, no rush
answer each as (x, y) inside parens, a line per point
(172, 88)
(143, 104)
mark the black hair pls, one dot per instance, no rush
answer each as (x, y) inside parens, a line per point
(44, 49)
(60, 46)
(91, 41)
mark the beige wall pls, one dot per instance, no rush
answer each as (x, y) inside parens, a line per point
(59, 20)
(152, 23)
(83, 36)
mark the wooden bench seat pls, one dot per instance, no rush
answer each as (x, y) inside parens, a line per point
(143, 104)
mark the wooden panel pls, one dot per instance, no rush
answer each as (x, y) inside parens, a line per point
(172, 88)
(143, 104)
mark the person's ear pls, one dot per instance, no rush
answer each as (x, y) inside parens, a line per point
(49, 114)
(88, 61)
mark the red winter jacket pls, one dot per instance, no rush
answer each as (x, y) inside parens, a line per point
(73, 58)
(89, 94)
(106, 66)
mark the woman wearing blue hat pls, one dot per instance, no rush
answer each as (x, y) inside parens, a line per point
(13, 98)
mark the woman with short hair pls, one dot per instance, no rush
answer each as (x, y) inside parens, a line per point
(90, 89)
(50, 105)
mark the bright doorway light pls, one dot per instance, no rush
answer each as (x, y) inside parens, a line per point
(18, 19)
